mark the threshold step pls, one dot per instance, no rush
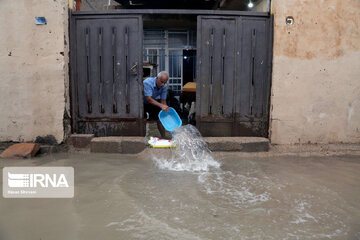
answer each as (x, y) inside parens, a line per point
(237, 144)
(127, 145)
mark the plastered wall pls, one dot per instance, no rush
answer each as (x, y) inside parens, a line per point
(315, 95)
(32, 69)
(316, 72)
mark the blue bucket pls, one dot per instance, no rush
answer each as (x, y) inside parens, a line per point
(170, 119)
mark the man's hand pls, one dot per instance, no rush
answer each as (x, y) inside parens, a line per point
(164, 107)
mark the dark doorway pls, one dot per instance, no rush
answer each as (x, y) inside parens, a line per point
(189, 66)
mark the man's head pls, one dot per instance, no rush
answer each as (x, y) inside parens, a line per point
(162, 79)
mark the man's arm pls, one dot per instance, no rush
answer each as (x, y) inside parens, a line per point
(163, 97)
(161, 105)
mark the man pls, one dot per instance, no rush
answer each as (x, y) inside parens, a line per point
(155, 90)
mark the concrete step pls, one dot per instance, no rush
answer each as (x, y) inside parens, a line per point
(81, 141)
(126, 145)
(237, 144)
(133, 145)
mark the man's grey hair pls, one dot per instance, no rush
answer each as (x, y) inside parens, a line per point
(162, 74)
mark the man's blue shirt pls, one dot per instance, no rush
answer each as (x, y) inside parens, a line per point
(150, 89)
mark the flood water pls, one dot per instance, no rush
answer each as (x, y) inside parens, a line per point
(130, 197)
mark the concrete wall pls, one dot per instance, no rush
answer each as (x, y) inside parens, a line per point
(316, 72)
(32, 69)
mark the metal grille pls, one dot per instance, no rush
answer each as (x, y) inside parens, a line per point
(164, 50)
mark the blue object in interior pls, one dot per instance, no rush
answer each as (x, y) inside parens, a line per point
(170, 119)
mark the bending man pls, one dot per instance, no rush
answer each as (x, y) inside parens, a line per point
(155, 90)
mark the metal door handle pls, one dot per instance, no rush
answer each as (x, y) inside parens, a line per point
(133, 69)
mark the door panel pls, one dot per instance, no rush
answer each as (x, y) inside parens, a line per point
(216, 68)
(107, 84)
(253, 68)
(233, 78)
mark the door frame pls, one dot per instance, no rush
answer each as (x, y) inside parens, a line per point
(73, 16)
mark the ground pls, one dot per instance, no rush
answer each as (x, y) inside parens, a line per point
(249, 197)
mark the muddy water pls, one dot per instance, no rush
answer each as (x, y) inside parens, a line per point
(125, 197)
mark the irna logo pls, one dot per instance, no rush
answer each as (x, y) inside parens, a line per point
(36, 180)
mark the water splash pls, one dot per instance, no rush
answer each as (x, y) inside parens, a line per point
(190, 154)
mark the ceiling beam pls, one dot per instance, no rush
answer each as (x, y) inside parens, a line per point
(172, 11)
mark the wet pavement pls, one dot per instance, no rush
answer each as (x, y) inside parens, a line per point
(129, 197)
